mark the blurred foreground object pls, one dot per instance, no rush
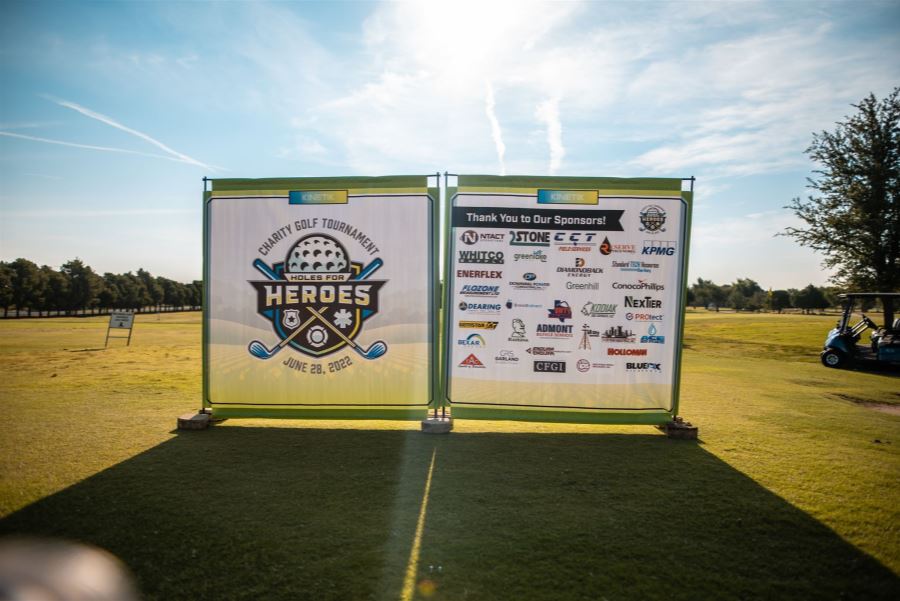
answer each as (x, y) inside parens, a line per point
(51, 570)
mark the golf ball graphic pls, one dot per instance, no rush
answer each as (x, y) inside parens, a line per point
(317, 253)
(316, 336)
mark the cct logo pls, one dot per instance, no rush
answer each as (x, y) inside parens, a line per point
(550, 367)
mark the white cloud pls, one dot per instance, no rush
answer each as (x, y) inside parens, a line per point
(548, 113)
(9, 134)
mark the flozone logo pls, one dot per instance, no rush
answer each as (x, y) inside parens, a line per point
(317, 299)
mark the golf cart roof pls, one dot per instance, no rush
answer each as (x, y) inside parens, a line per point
(852, 295)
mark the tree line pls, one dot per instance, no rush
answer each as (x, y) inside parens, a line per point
(76, 288)
(747, 295)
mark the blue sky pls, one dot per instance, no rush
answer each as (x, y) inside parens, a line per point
(111, 113)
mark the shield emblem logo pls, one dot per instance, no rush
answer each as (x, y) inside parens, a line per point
(291, 318)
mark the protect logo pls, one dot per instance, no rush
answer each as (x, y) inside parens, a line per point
(317, 299)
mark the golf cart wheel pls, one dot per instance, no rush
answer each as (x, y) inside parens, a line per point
(833, 358)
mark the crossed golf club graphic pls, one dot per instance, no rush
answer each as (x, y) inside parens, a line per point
(259, 350)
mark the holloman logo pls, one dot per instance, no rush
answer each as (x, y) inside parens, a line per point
(317, 299)
(636, 352)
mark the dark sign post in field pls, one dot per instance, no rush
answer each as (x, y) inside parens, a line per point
(120, 321)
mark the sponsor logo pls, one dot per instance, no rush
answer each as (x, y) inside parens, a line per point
(582, 286)
(472, 362)
(575, 238)
(635, 266)
(580, 270)
(317, 300)
(486, 308)
(584, 366)
(471, 237)
(518, 331)
(653, 218)
(537, 255)
(506, 357)
(478, 325)
(553, 330)
(510, 305)
(472, 340)
(480, 290)
(481, 256)
(640, 285)
(544, 351)
(659, 247)
(651, 337)
(528, 283)
(552, 367)
(643, 303)
(599, 309)
(606, 248)
(477, 273)
(617, 334)
(644, 316)
(528, 238)
(652, 367)
(635, 352)
(586, 334)
(560, 311)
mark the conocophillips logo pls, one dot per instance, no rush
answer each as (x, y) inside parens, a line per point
(639, 285)
(653, 218)
(317, 299)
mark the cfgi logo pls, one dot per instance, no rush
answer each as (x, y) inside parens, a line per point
(551, 367)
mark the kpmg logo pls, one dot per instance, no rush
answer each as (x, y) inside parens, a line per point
(664, 248)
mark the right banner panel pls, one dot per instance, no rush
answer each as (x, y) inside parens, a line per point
(565, 298)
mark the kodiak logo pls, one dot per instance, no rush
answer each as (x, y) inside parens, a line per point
(317, 299)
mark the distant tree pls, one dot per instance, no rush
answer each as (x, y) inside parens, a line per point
(84, 285)
(744, 294)
(110, 294)
(56, 293)
(28, 285)
(152, 288)
(195, 293)
(779, 300)
(810, 298)
(6, 286)
(854, 220)
(707, 293)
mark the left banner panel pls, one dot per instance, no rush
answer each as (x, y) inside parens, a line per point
(320, 297)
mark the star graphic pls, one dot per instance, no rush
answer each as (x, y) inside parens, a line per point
(342, 318)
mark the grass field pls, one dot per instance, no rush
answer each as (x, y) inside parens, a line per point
(792, 492)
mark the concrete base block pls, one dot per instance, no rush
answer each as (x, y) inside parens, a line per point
(437, 425)
(680, 429)
(194, 421)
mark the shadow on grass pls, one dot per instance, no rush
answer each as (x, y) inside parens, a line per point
(269, 513)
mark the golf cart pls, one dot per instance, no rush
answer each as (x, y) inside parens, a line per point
(841, 346)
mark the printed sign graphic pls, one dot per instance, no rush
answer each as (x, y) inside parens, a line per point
(318, 299)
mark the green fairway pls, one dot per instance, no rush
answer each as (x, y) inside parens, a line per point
(793, 490)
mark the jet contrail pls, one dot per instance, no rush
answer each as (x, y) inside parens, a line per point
(548, 113)
(496, 132)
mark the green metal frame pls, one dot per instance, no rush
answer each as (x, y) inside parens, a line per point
(606, 186)
(372, 185)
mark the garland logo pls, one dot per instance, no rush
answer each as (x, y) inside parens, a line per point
(653, 218)
(317, 299)
(471, 361)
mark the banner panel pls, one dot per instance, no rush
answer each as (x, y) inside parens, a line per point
(564, 298)
(320, 297)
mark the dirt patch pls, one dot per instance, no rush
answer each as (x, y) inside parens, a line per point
(880, 406)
